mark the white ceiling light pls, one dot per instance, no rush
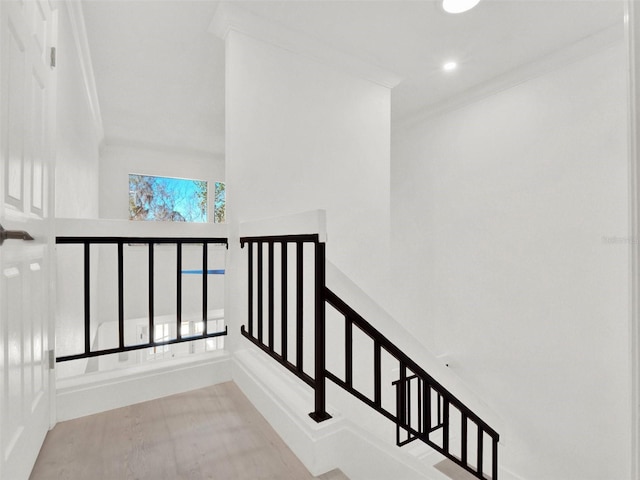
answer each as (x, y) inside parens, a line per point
(458, 6)
(449, 66)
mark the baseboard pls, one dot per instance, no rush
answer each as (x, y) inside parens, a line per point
(266, 388)
(99, 392)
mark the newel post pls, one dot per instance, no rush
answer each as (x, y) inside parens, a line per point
(320, 414)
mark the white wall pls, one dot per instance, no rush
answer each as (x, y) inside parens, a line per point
(302, 136)
(77, 138)
(501, 212)
(119, 159)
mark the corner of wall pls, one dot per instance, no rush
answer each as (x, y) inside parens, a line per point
(76, 18)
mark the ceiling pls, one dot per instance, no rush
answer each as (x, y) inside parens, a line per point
(160, 74)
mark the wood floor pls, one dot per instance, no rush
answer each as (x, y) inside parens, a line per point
(212, 433)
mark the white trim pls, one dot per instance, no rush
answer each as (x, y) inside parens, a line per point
(95, 393)
(548, 63)
(336, 443)
(79, 31)
(230, 17)
(72, 227)
(632, 23)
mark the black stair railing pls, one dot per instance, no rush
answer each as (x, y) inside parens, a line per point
(150, 243)
(261, 330)
(424, 409)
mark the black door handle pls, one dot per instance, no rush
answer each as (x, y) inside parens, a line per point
(13, 235)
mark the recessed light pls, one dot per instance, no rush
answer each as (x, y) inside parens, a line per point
(458, 6)
(449, 66)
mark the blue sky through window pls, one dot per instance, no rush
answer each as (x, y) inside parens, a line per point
(167, 199)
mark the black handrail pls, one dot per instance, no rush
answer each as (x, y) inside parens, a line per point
(413, 384)
(86, 242)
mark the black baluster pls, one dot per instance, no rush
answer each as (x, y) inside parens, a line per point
(260, 290)
(205, 287)
(284, 309)
(480, 449)
(348, 353)
(270, 296)
(178, 290)
(427, 409)
(152, 337)
(463, 439)
(494, 462)
(120, 294)
(377, 374)
(445, 428)
(299, 306)
(87, 297)
(250, 281)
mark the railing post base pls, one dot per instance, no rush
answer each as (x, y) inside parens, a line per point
(320, 416)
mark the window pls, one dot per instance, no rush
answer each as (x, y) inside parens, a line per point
(173, 199)
(161, 333)
(220, 202)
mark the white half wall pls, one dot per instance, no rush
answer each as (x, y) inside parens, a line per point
(510, 252)
(100, 392)
(302, 136)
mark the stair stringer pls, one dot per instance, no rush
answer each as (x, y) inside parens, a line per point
(285, 402)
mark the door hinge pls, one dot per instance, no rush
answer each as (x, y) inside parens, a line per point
(53, 57)
(52, 359)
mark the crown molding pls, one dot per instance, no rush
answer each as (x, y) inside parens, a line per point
(572, 53)
(231, 17)
(79, 32)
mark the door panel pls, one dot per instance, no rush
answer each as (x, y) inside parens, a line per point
(15, 118)
(27, 91)
(13, 394)
(37, 142)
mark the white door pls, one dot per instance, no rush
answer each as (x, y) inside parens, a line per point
(27, 104)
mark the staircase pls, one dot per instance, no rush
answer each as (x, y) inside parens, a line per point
(288, 303)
